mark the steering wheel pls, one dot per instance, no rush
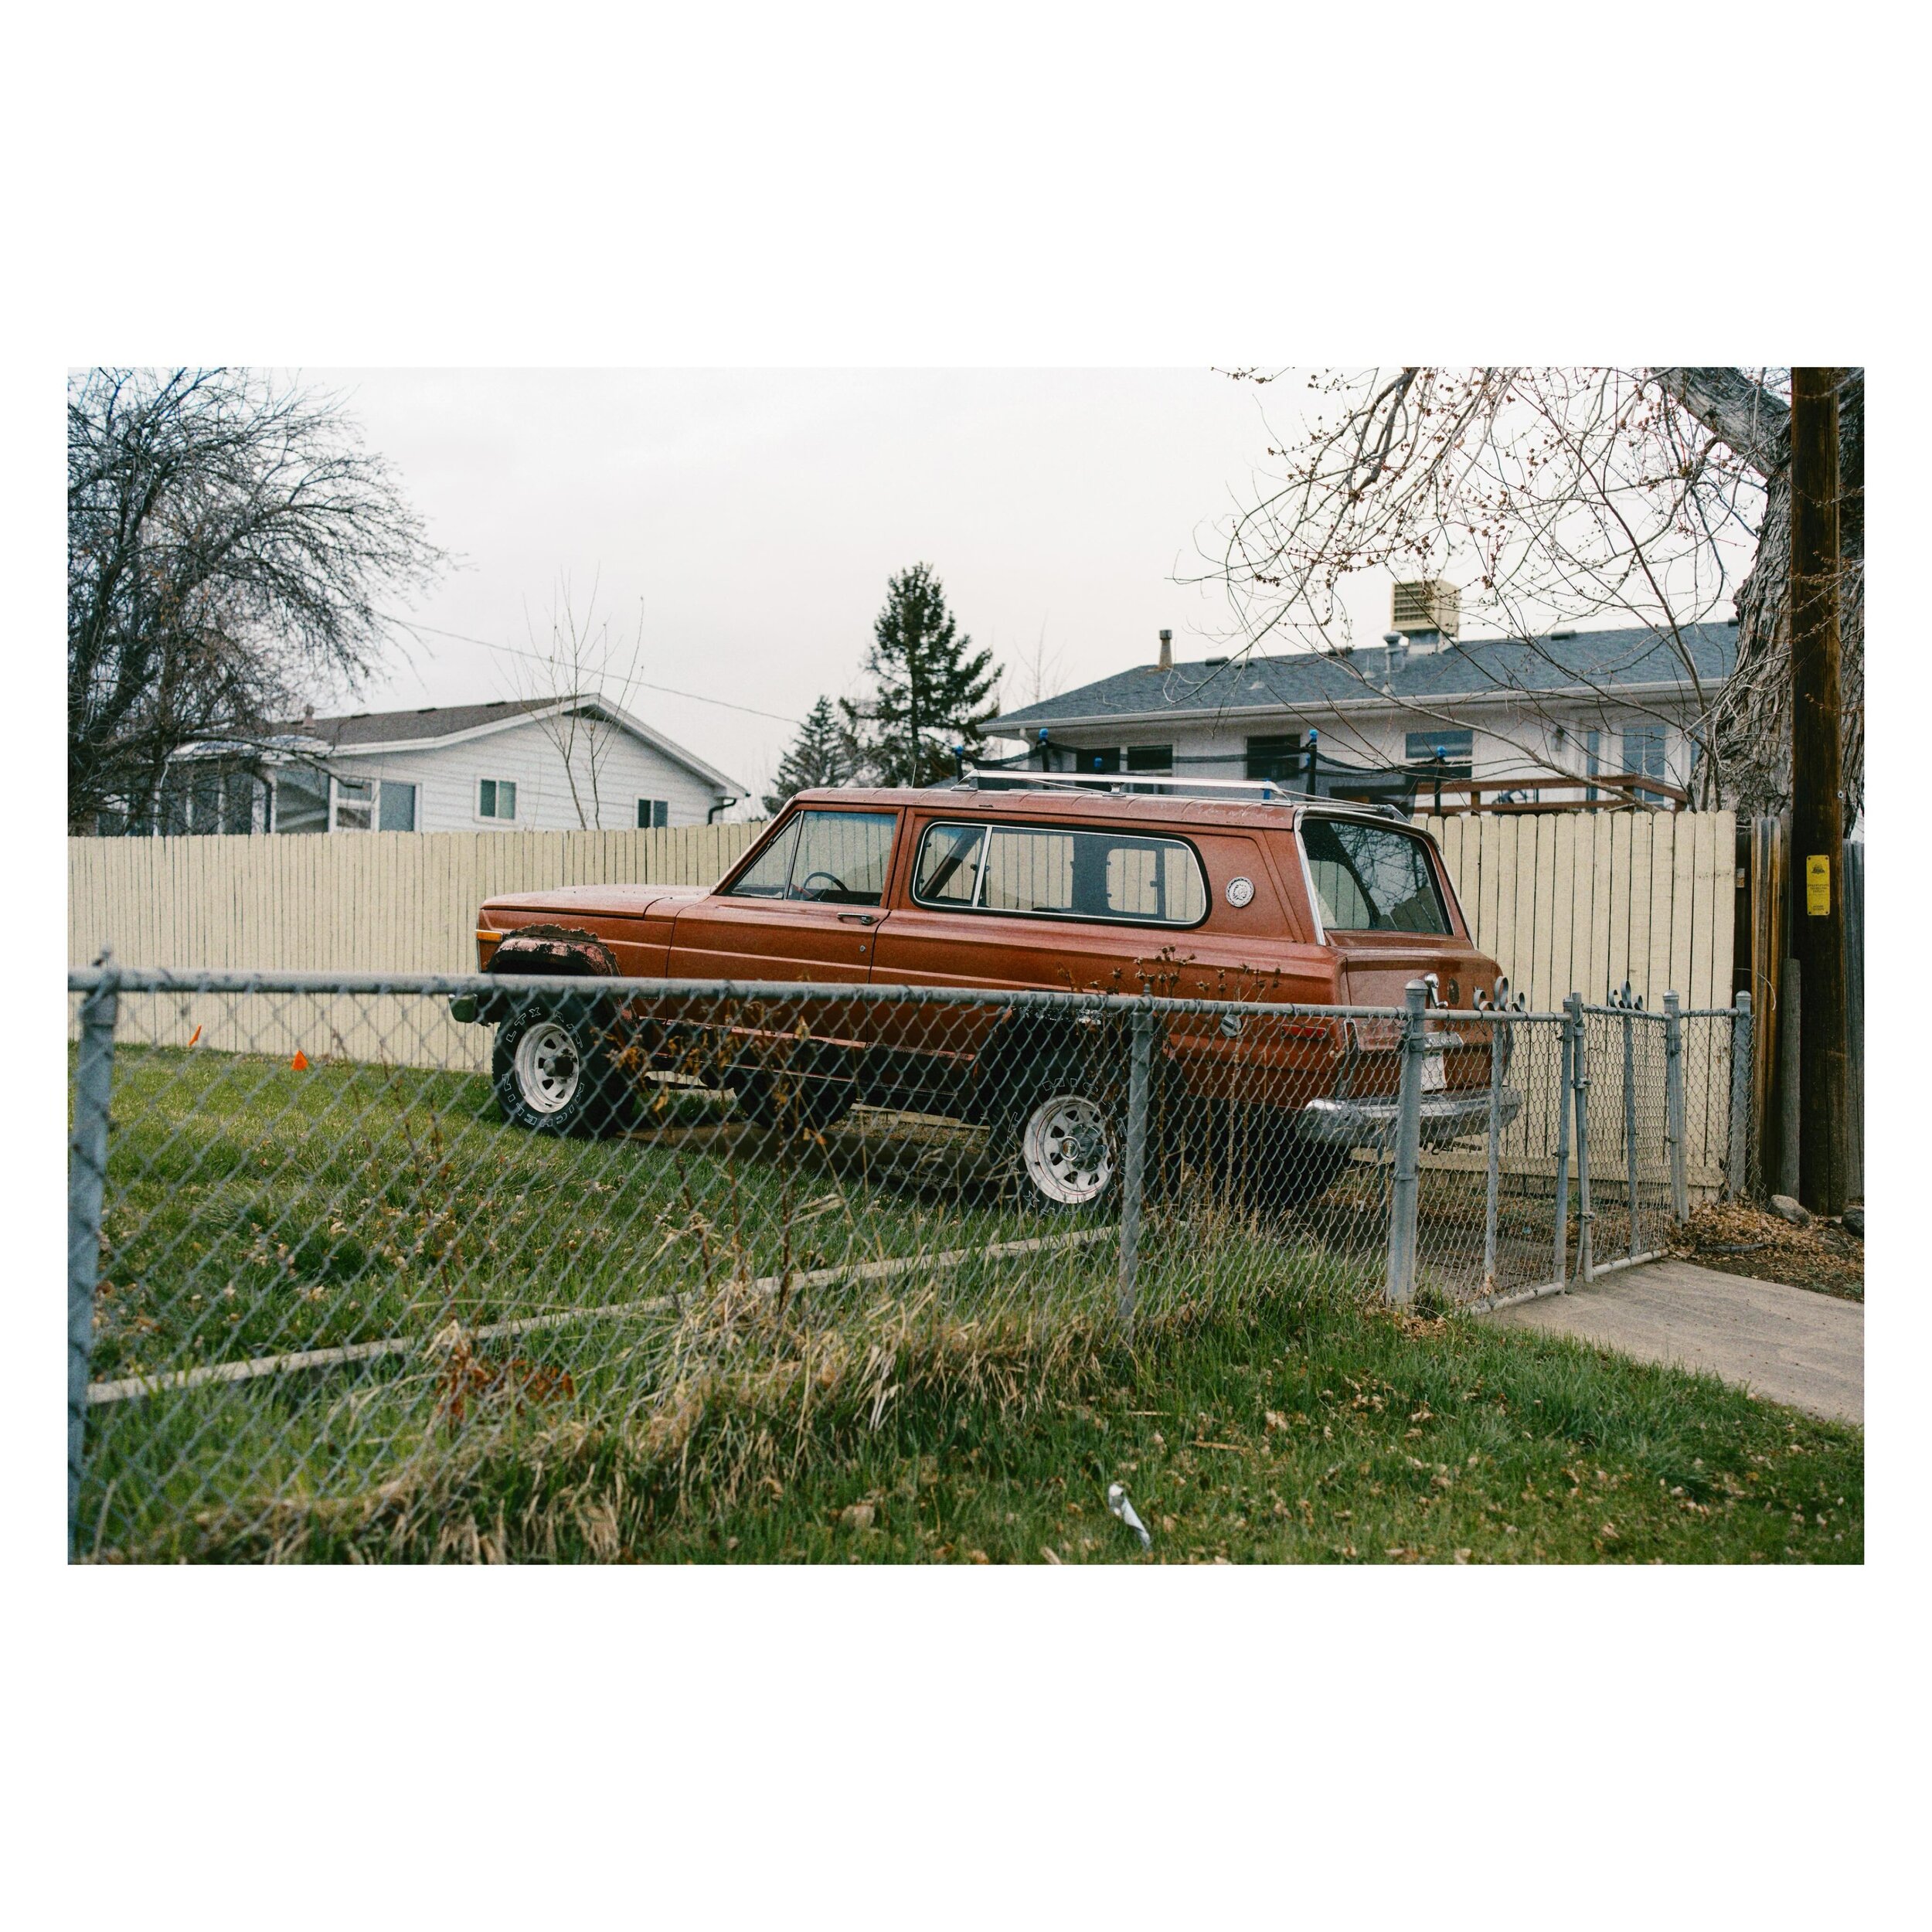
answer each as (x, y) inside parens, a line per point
(804, 886)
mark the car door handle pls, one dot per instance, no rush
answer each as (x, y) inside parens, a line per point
(858, 919)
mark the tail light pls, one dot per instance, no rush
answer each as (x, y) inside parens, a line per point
(1502, 1036)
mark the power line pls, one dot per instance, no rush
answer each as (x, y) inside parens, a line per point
(537, 656)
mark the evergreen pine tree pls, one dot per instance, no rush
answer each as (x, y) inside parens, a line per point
(929, 695)
(823, 753)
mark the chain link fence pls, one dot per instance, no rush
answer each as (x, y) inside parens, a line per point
(314, 1246)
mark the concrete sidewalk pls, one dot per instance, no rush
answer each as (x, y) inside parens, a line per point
(1787, 1344)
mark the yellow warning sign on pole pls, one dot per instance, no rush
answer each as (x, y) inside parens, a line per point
(1818, 886)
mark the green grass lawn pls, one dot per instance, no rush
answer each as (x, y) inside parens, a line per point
(1268, 1409)
(1305, 1429)
(254, 1208)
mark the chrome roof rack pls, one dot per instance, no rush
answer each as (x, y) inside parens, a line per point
(1265, 791)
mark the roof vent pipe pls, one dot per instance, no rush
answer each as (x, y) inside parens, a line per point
(1167, 650)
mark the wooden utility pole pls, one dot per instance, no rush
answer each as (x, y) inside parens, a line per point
(1818, 796)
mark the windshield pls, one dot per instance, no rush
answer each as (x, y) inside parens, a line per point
(1372, 878)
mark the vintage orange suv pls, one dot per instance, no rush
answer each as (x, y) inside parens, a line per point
(1014, 884)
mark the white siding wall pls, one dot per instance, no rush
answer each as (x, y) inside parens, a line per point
(1502, 747)
(447, 780)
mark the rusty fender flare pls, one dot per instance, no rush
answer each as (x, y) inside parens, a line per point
(542, 950)
(555, 949)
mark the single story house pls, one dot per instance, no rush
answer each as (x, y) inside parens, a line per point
(1390, 721)
(474, 767)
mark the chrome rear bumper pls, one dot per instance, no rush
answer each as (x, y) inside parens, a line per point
(1445, 1117)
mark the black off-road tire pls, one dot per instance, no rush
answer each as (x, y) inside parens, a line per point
(553, 1074)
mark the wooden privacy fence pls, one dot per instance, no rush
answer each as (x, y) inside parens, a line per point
(364, 901)
(367, 902)
(1580, 902)
(1566, 901)
(1569, 902)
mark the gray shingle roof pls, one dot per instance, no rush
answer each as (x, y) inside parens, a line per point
(407, 727)
(1315, 680)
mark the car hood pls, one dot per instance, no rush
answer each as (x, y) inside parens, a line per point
(617, 902)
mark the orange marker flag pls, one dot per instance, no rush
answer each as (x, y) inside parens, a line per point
(194, 1036)
(300, 1063)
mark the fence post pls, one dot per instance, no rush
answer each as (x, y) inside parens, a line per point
(1565, 1051)
(1134, 1167)
(1674, 1105)
(1579, 1095)
(1404, 1195)
(1737, 1176)
(1631, 1004)
(1492, 1179)
(87, 1180)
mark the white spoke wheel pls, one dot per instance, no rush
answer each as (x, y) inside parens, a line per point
(548, 1069)
(1067, 1149)
(555, 1073)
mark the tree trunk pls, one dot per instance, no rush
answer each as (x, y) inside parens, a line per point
(1751, 726)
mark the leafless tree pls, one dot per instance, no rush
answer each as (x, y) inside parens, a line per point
(230, 544)
(1550, 495)
(1040, 674)
(572, 677)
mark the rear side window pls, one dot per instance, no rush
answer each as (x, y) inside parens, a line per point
(1060, 873)
(948, 870)
(1372, 878)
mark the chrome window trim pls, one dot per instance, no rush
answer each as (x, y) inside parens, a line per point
(980, 825)
(989, 826)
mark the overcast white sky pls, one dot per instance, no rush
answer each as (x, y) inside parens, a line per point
(753, 517)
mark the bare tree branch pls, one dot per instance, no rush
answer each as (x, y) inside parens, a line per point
(570, 679)
(228, 540)
(1554, 496)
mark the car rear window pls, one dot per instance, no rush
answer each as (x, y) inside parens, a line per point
(1372, 878)
(1061, 873)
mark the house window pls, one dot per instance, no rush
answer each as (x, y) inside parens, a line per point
(1150, 757)
(653, 813)
(496, 798)
(204, 802)
(1593, 760)
(1275, 760)
(1457, 750)
(1644, 757)
(397, 811)
(354, 803)
(238, 804)
(301, 802)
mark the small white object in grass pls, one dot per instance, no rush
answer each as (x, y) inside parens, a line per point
(1116, 1501)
